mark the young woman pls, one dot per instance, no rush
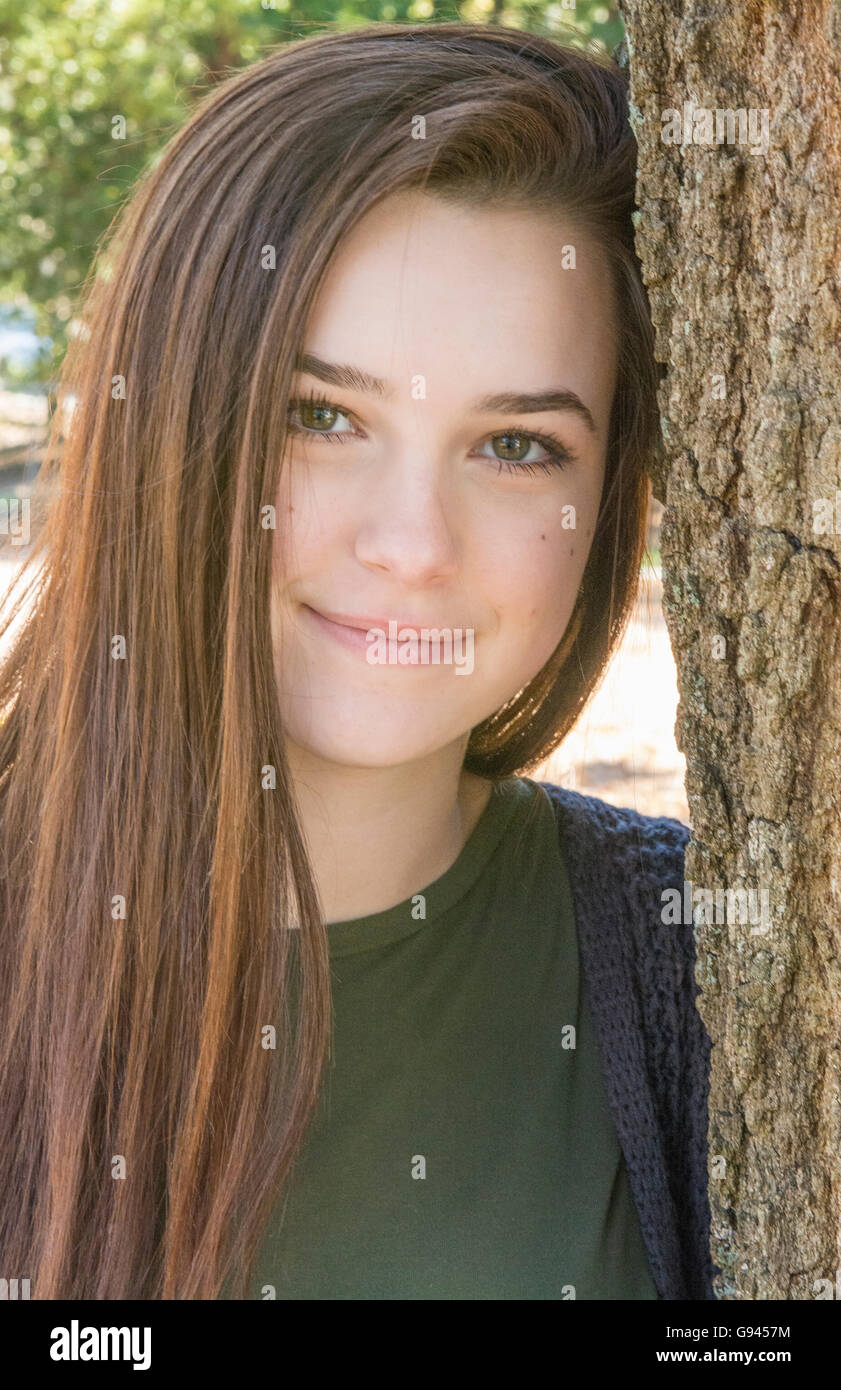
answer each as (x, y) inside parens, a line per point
(307, 991)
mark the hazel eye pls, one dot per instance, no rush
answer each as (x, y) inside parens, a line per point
(319, 417)
(517, 449)
(513, 447)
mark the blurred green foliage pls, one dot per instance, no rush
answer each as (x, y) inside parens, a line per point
(70, 68)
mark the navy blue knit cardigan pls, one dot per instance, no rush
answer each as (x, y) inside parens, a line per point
(640, 980)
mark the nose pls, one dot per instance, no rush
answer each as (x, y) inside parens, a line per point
(409, 526)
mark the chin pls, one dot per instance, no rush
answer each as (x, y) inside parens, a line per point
(374, 737)
(363, 752)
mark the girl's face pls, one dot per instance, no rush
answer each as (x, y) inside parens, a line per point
(444, 471)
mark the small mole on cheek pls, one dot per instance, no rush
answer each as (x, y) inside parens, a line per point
(543, 538)
(291, 509)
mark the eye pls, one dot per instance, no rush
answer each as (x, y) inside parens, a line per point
(319, 417)
(517, 450)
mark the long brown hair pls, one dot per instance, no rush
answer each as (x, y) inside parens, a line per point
(149, 869)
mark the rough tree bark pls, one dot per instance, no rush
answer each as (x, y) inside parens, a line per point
(741, 249)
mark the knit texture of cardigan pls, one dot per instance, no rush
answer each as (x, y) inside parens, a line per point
(639, 973)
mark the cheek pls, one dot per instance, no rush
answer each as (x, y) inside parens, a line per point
(304, 520)
(533, 580)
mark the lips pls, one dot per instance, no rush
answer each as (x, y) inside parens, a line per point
(351, 631)
(366, 624)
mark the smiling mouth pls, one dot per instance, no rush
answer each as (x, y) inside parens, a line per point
(353, 638)
(370, 624)
(358, 634)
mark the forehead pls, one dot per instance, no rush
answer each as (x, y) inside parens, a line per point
(469, 297)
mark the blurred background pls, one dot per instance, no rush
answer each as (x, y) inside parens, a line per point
(75, 74)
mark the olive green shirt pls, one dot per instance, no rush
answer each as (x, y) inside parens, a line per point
(463, 1147)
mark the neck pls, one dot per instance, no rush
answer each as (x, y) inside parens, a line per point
(376, 836)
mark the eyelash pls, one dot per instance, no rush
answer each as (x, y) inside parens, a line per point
(560, 454)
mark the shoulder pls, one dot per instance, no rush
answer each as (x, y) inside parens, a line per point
(644, 850)
(625, 868)
(624, 871)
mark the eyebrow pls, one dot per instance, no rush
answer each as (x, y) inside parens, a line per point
(508, 402)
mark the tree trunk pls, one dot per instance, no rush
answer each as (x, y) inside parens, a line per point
(741, 250)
